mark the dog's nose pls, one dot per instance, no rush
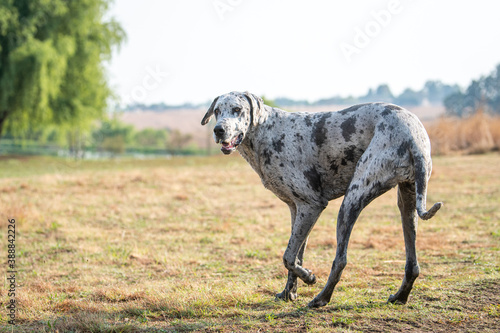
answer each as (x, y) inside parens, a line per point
(219, 130)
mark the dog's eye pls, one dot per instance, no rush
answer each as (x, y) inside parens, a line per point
(236, 110)
(216, 111)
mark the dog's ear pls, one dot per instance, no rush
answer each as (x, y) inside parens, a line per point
(256, 108)
(210, 112)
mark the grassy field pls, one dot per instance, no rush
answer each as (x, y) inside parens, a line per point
(196, 244)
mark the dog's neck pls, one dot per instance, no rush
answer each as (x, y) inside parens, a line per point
(249, 148)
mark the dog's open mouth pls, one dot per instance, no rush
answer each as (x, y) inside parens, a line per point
(229, 147)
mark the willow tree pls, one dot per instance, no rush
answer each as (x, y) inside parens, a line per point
(51, 63)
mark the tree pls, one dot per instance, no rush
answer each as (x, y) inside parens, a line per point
(436, 91)
(51, 55)
(113, 134)
(409, 97)
(150, 137)
(480, 94)
(177, 141)
(381, 94)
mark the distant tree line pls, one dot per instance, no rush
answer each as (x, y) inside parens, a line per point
(433, 92)
(110, 136)
(159, 107)
(482, 94)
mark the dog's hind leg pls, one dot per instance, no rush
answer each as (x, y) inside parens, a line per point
(364, 187)
(406, 204)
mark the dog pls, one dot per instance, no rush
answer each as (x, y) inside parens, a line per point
(307, 159)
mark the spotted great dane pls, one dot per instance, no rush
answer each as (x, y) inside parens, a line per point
(308, 159)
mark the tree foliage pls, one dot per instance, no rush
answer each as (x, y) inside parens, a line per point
(480, 94)
(51, 55)
(150, 137)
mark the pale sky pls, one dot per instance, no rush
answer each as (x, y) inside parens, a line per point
(194, 50)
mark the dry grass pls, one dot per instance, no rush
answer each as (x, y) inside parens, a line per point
(477, 134)
(195, 244)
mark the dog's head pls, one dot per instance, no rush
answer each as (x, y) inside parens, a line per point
(235, 113)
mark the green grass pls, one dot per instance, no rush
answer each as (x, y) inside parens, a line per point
(196, 244)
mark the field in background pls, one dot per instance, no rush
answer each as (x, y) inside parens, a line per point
(195, 244)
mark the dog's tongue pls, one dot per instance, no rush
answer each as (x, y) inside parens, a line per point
(230, 145)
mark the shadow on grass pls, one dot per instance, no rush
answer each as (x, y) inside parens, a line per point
(162, 318)
(467, 306)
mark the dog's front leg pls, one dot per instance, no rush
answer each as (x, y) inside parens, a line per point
(306, 217)
(290, 291)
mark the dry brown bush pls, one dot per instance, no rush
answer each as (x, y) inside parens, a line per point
(477, 134)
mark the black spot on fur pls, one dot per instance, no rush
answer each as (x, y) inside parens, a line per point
(267, 156)
(282, 165)
(381, 127)
(354, 187)
(308, 120)
(348, 128)
(299, 136)
(295, 194)
(278, 144)
(350, 153)
(403, 148)
(319, 131)
(352, 108)
(343, 162)
(389, 108)
(392, 107)
(391, 128)
(314, 178)
(334, 167)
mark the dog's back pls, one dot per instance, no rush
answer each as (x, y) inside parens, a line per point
(314, 155)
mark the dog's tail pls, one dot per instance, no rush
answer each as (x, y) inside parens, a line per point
(422, 174)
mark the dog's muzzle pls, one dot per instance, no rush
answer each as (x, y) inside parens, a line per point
(228, 144)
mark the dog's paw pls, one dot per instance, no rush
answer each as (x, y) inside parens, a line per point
(395, 299)
(286, 295)
(317, 303)
(311, 278)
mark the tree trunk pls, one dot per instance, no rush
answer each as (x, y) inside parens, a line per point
(3, 117)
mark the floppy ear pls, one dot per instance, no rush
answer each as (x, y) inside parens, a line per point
(210, 112)
(256, 107)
